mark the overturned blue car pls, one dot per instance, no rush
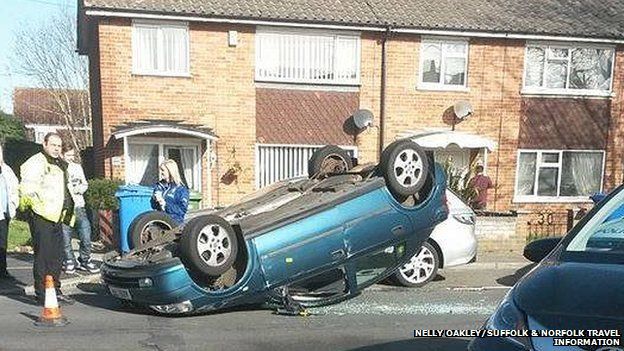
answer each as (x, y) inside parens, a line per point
(298, 243)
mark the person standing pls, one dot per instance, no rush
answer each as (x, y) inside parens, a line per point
(170, 194)
(9, 198)
(45, 195)
(481, 183)
(77, 184)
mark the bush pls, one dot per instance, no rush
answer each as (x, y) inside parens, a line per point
(19, 234)
(101, 194)
(459, 184)
(11, 128)
(18, 151)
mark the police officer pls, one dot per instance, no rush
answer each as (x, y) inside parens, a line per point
(44, 193)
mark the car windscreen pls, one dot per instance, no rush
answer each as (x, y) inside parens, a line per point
(601, 238)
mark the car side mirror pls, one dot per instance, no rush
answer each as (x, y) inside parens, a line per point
(535, 251)
(597, 197)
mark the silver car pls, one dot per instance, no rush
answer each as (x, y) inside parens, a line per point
(452, 243)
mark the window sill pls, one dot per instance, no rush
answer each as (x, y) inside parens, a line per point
(443, 88)
(162, 74)
(566, 94)
(550, 199)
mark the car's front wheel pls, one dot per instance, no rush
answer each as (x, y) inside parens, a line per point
(209, 245)
(421, 268)
(149, 226)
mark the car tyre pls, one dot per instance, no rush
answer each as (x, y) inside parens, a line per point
(208, 245)
(149, 226)
(405, 168)
(329, 159)
(421, 268)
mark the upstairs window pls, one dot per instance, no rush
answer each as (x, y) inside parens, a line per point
(585, 70)
(443, 64)
(307, 57)
(160, 48)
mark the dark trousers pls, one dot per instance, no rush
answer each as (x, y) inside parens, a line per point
(4, 235)
(47, 239)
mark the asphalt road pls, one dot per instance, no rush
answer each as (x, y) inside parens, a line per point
(382, 318)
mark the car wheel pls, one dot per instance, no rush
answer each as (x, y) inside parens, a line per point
(329, 159)
(208, 245)
(405, 168)
(420, 269)
(149, 226)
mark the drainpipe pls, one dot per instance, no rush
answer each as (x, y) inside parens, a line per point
(382, 92)
(500, 131)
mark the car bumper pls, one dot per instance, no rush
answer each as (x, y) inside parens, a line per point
(458, 248)
(169, 283)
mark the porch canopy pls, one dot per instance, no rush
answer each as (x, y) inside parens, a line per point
(443, 138)
(144, 127)
(147, 143)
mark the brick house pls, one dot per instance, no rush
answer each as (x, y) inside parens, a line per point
(38, 109)
(240, 93)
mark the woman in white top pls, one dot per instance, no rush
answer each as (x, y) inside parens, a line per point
(9, 199)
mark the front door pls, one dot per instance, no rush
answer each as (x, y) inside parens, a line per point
(457, 157)
(188, 164)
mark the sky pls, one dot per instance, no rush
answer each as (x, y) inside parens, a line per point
(14, 13)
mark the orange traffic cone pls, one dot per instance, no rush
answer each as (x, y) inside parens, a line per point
(51, 316)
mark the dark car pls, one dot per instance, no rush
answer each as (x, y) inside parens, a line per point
(301, 242)
(577, 286)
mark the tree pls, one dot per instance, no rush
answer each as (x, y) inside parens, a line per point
(47, 54)
(11, 128)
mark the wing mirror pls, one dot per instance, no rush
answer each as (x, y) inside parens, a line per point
(597, 197)
(535, 251)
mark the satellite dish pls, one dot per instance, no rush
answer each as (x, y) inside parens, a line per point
(462, 109)
(363, 118)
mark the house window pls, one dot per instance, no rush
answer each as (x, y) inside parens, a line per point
(307, 57)
(144, 158)
(443, 64)
(568, 69)
(279, 162)
(565, 174)
(160, 48)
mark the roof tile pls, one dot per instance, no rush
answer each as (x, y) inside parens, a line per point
(579, 18)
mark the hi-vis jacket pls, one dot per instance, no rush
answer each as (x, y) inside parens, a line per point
(43, 187)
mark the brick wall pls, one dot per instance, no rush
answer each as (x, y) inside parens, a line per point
(614, 166)
(501, 112)
(499, 234)
(219, 94)
(494, 82)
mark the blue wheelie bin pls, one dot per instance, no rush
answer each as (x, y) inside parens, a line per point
(133, 201)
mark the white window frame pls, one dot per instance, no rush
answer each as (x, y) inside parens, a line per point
(351, 148)
(565, 91)
(552, 199)
(160, 25)
(161, 143)
(336, 35)
(440, 85)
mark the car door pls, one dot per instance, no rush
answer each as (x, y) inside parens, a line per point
(376, 222)
(302, 248)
